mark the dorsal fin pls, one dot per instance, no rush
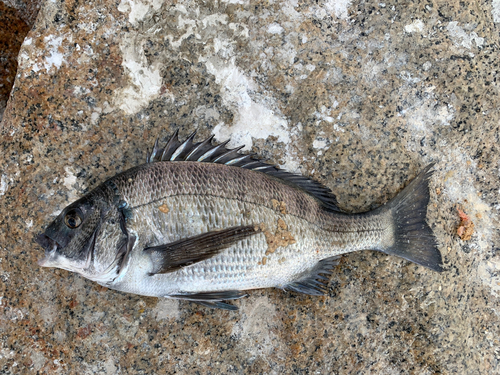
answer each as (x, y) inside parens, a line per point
(206, 152)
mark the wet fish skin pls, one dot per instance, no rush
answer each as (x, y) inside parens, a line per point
(206, 231)
(209, 202)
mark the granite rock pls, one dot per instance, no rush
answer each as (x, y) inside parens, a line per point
(12, 34)
(26, 10)
(358, 95)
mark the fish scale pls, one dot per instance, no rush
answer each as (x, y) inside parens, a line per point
(312, 243)
(204, 223)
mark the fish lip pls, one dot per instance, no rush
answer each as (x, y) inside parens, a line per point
(50, 246)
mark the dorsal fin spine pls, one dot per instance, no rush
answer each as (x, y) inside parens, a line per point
(213, 151)
(238, 160)
(247, 165)
(226, 154)
(192, 155)
(152, 156)
(179, 150)
(206, 154)
(260, 168)
(170, 147)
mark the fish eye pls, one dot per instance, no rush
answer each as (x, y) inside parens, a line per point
(73, 219)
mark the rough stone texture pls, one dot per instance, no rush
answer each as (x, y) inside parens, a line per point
(359, 95)
(12, 33)
(16, 19)
(26, 10)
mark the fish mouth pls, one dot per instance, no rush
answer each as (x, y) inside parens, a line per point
(50, 247)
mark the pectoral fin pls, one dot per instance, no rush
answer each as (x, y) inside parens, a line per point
(175, 255)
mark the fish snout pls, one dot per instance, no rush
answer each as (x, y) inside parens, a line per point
(49, 245)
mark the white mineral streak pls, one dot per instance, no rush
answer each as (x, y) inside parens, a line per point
(70, 178)
(254, 331)
(460, 38)
(339, 7)
(38, 360)
(275, 28)
(253, 118)
(320, 143)
(25, 63)
(416, 26)
(167, 309)
(138, 9)
(94, 117)
(4, 185)
(214, 20)
(145, 79)
(323, 115)
(425, 111)
(489, 273)
(255, 114)
(495, 11)
(69, 181)
(241, 2)
(110, 367)
(55, 59)
(288, 10)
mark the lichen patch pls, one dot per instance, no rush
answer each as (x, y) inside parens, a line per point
(466, 226)
(280, 238)
(163, 208)
(279, 206)
(282, 225)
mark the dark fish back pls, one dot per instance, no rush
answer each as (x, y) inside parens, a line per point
(153, 182)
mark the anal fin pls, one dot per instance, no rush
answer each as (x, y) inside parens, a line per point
(315, 281)
(212, 299)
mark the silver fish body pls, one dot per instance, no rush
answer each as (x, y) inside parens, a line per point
(203, 223)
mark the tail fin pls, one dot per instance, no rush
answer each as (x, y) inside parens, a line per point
(414, 239)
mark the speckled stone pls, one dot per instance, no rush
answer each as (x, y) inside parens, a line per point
(12, 33)
(26, 10)
(359, 95)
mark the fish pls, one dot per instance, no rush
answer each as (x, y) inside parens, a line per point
(205, 223)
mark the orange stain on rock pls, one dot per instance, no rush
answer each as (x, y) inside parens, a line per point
(466, 226)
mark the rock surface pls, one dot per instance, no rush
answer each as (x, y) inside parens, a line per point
(26, 10)
(359, 95)
(12, 32)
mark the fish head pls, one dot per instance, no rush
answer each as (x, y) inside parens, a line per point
(70, 240)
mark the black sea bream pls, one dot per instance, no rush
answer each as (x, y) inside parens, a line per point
(203, 223)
